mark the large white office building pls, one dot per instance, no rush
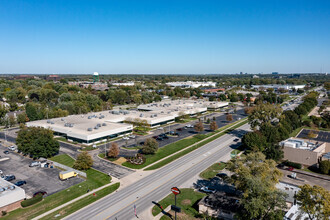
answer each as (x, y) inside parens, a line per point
(94, 127)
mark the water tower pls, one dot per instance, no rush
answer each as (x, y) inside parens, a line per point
(95, 77)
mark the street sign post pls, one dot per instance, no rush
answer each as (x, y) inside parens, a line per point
(175, 191)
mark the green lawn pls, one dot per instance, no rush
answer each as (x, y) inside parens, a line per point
(69, 209)
(190, 149)
(235, 152)
(63, 159)
(179, 145)
(94, 180)
(213, 170)
(187, 201)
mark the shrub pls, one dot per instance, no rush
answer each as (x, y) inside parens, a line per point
(150, 146)
(3, 213)
(31, 201)
(292, 164)
(325, 167)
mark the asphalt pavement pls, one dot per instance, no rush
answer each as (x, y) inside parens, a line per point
(154, 187)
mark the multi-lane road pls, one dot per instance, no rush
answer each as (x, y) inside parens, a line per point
(154, 187)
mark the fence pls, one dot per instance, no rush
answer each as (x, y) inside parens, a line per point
(69, 168)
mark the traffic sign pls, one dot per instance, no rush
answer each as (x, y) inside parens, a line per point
(175, 190)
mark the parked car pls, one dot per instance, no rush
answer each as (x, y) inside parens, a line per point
(40, 192)
(155, 137)
(179, 129)
(125, 138)
(159, 138)
(20, 183)
(13, 147)
(132, 136)
(207, 189)
(290, 168)
(165, 137)
(10, 177)
(35, 164)
(236, 139)
(141, 143)
(281, 166)
(1, 172)
(6, 152)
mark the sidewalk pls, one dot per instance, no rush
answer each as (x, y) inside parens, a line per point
(114, 180)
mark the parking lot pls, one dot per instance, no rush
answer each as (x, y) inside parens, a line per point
(182, 130)
(37, 178)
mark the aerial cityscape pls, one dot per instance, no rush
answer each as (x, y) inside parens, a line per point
(181, 110)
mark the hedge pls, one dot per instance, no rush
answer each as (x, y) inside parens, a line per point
(31, 201)
(292, 164)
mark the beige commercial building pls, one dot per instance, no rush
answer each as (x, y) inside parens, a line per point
(304, 152)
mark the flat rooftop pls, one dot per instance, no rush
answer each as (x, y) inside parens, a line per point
(9, 193)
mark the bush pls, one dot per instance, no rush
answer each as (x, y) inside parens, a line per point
(292, 164)
(325, 166)
(84, 161)
(150, 146)
(31, 201)
(3, 213)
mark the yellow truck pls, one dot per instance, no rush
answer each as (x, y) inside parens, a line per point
(67, 174)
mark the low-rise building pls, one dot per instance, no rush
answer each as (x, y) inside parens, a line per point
(304, 152)
(11, 196)
(123, 84)
(219, 205)
(278, 87)
(191, 84)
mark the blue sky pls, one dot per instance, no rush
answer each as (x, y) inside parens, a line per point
(175, 37)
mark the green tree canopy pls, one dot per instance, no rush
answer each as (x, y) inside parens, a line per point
(37, 142)
(84, 161)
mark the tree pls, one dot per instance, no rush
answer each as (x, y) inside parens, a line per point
(213, 126)
(11, 121)
(315, 201)
(208, 121)
(248, 110)
(3, 112)
(264, 113)
(114, 150)
(199, 127)
(229, 117)
(255, 177)
(254, 141)
(22, 118)
(84, 161)
(325, 166)
(150, 146)
(37, 142)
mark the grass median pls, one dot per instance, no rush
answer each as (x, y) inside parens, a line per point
(213, 170)
(187, 200)
(190, 149)
(177, 146)
(94, 180)
(71, 208)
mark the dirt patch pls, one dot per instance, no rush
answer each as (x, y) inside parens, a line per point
(120, 161)
(186, 202)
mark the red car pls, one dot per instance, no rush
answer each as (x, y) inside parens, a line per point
(290, 168)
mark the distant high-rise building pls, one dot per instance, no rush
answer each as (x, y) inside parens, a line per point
(274, 73)
(241, 73)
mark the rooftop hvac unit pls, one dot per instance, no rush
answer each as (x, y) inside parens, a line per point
(104, 124)
(11, 187)
(48, 121)
(141, 115)
(151, 116)
(52, 122)
(70, 125)
(66, 125)
(62, 119)
(89, 129)
(89, 117)
(96, 127)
